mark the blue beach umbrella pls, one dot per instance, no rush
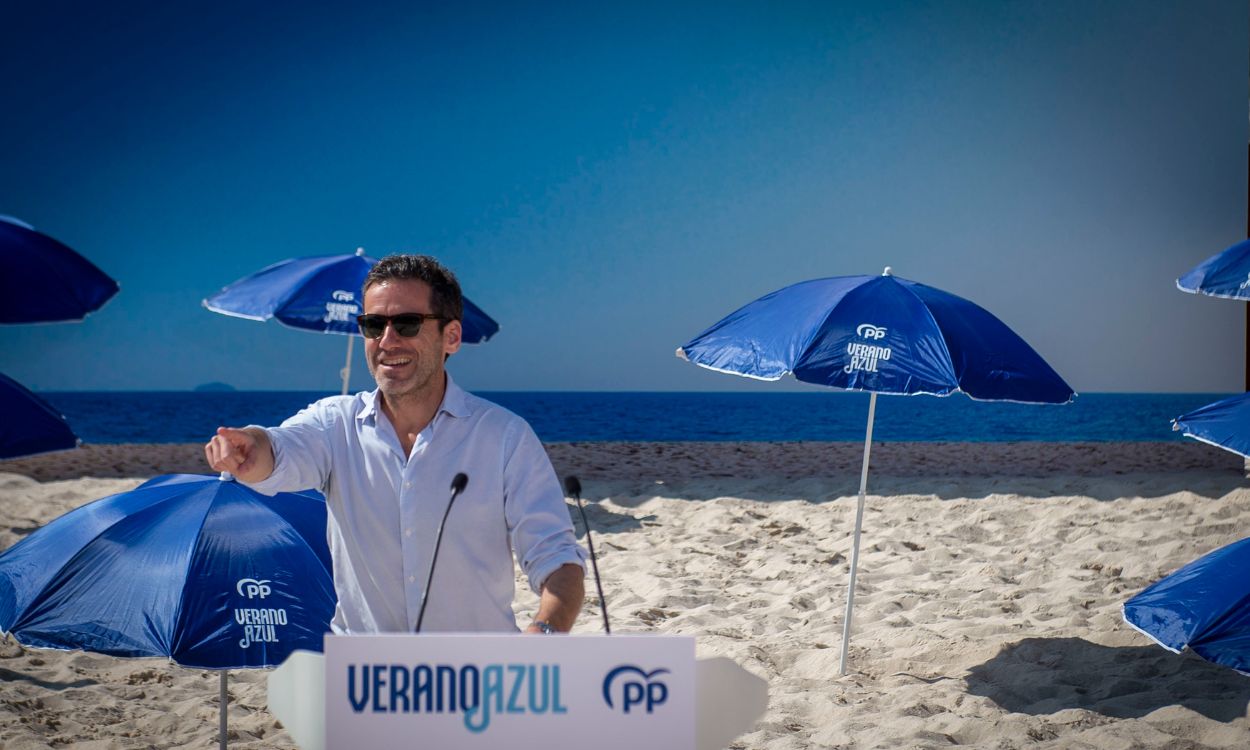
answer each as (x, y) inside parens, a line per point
(881, 334)
(321, 294)
(30, 424)
(43, 281)
(1225, 274)
(204, 571)
(1224, 424)
(1204, 606)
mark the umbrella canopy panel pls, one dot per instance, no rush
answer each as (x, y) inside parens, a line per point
(1204, 606)
(1224, 424)
(30, 424)
(313, 294)
(882, 334)
(204, 571)
(319, 294)
(1225, 274)
(44, 281)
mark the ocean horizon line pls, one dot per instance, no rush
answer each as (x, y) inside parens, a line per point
(670, 416)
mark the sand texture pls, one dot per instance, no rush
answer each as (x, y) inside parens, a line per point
(987, 612)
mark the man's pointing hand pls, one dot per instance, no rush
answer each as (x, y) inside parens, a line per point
(245, 453)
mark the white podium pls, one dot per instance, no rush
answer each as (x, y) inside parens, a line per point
(495, 691)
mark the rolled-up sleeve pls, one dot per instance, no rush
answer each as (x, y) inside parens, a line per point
(538, 518)
(301, 453)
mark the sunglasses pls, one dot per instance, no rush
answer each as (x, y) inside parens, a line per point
(405, 324)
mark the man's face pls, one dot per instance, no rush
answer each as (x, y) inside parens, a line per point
(407, 366)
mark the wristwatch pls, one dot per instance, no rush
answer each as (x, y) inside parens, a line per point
(544, 626)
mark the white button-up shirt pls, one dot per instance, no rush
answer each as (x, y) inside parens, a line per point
(385, 507)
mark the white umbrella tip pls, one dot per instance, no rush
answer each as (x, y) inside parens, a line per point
(888, 271)
(681, 353)
(225, 477)
(360, 251)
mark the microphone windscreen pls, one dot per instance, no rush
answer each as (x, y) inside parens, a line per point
(459, 482)
(572, 486)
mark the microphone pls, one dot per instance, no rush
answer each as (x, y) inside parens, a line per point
(458, 484)
(574, 488)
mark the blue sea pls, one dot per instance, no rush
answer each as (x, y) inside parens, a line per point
(182, 417)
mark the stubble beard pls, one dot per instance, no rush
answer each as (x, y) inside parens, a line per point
(413, 388)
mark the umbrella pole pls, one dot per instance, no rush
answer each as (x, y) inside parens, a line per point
(347, 367)
(859, 522)
(221, 723)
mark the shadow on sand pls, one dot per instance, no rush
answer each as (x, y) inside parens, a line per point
(603, 519)
(8, 675)
(1046, 675)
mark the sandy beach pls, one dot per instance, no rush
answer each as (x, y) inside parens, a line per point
(987, 612)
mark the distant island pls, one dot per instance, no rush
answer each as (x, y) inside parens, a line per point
(214, 388)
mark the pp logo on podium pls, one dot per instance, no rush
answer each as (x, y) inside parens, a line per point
(635, 687)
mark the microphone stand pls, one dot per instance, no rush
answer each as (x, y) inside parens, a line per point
(457, 486)
(574, 488)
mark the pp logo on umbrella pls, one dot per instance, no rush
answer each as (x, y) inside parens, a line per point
(341, 308)
(863, 356)
(869, 331)
(260, 624)
(251, 588)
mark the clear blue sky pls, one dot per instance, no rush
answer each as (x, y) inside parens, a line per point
(609, 182)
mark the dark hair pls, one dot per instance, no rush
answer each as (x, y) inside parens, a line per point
(445, 297)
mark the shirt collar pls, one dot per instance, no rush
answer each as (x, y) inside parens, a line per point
(455, 400)
(455, 403)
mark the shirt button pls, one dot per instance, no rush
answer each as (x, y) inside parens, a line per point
(407, 484)
(407, 532)
(412, 579)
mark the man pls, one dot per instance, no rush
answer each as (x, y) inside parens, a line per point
(385, 461)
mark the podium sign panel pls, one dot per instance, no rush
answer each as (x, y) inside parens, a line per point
(497, 691)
